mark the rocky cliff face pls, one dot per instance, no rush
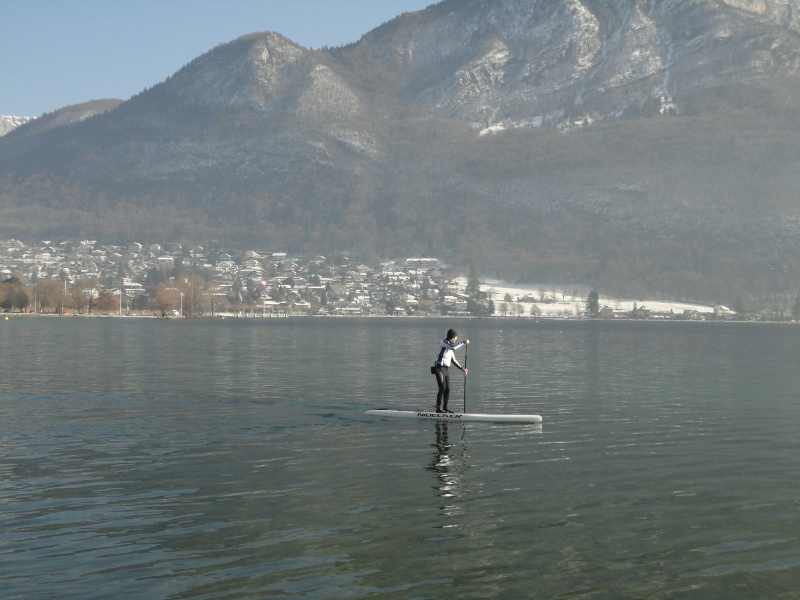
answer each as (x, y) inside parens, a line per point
(530, 62)
(577, 138)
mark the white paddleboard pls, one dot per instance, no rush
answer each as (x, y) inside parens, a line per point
(423, 414)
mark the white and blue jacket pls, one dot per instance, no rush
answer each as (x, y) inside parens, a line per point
(447, 354)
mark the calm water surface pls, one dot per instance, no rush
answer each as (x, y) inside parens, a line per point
(232, 459)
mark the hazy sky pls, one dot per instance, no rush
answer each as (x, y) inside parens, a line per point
(54, 53)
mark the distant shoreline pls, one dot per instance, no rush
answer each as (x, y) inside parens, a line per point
(548, 318)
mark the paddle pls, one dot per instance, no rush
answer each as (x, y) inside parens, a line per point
(466, 348)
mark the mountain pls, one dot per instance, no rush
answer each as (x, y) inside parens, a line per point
(10, 123)
(67, 116)
(531, 62)
(638, 146)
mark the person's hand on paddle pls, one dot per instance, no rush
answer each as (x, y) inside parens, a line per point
(465, 372)
(466, 342)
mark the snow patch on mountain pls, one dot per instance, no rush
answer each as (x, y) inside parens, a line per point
(10, 123)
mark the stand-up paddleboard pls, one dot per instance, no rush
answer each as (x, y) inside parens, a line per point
(422, 414)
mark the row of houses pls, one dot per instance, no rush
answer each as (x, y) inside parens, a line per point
(253, 281)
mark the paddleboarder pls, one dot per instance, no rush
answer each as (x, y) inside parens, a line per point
(441, 367)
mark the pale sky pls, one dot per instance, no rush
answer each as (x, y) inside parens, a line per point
(54, 53)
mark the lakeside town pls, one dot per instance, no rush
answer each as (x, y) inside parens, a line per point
(174, 280)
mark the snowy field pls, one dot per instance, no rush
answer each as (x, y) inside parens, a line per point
(569, 301)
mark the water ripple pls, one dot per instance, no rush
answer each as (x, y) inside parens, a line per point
(229, 460)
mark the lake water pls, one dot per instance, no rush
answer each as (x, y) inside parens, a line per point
(221, 459)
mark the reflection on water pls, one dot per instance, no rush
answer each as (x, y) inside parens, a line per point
(449, 461)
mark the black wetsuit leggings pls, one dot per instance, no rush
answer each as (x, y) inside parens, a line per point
(443, 379)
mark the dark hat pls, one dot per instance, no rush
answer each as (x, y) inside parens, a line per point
(451, 333)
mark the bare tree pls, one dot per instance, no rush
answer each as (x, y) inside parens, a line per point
(49, 295)
(105, 302)
(76, 299)
(15, 296)
(167, 299)
(193, 288)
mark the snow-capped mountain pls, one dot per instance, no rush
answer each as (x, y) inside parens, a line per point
(9, 123)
